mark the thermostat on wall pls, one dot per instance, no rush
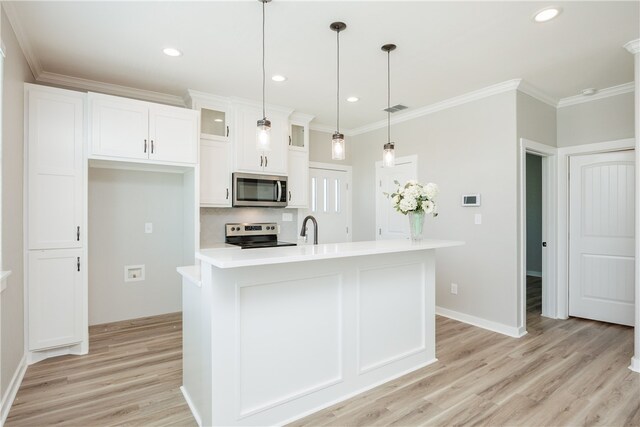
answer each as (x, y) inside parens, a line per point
(471, 200)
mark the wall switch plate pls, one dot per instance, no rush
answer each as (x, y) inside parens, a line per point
(133, 273)
(454, 289)
(148, 227)
(477, 219)
(287, 217)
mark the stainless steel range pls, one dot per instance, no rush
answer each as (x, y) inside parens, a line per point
(254, 235)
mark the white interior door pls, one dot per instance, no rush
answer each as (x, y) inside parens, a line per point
(601, 240)
(330, 204)
(392, 224)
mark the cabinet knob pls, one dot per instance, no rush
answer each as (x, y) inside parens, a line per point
(289, 195)
(289, 139)
(145, 145)
(261, 161)
(266, 161)
(152, 146)
(78, 234)
(227, 194)
(227, 131)
(78, 264)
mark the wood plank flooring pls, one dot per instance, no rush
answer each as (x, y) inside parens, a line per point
(571, 372)
(131, 376)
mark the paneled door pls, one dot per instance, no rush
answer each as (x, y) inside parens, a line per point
(391, 224)
(329, 203)
(601, 237)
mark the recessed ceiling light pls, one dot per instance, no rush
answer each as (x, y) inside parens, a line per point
(353, 99)
(171, 51)
(547, 14)
(278, 78)
(589, 91)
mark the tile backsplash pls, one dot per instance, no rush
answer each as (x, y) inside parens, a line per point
(212, 221)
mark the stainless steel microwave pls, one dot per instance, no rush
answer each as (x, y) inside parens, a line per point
(259, 190)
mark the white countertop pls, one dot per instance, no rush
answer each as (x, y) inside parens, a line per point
(230, 258)
(191, 273)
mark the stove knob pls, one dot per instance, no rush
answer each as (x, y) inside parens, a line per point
(233, 229)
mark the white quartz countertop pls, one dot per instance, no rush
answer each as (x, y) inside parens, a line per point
(233, 258)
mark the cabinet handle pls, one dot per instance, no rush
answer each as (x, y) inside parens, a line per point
(152, 146)
(227, 194)
(78, 234)
(145, 145)
(266, 161)
(227, 130)
(289, 195)
(78, 264)
(261, 161)
(289, 139)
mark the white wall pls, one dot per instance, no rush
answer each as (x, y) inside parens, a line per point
(120, 203)
(606, 119)
(534, 214)
(471, 148)
(320, 148)
(537, 121)
(16, 72)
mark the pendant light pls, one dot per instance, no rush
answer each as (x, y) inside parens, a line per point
(337, 142)
(389, 155)
(263, 131)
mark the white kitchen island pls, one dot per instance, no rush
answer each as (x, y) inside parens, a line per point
(274, 334)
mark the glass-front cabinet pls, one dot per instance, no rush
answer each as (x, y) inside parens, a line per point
(299, 131)
(215, 115)
(213, 123)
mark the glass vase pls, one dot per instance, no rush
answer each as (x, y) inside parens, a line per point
(416, 223)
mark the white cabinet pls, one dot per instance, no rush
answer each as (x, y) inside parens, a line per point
(247, 158)
(122, 128)
(298, 180)
(215, 173)
(55, 169)
(55, 298)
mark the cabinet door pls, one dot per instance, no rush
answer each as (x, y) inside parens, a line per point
(55, 298)
(55, 169)
(298, 181)
(275, 162)
(215, 173)
(247, 157)
(173, 134)
(119, 127)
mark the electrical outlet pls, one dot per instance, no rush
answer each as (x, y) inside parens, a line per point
(148, 227)
(133, 273)
(454, 288)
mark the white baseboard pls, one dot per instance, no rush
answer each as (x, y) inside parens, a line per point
(194, 412)
(534, 273)
(482, 323)
(12, 389)
(635, 364)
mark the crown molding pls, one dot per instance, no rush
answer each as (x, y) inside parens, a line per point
(528, 89)
(633, 46)
(109, 88)
(319, 127)
(301, 117)
(603, 93)
(443, 105)
(23, 40)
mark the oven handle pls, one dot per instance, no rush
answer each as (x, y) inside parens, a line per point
(279, 194)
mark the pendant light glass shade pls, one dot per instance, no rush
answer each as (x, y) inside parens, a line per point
(337, 147)
(263, 135)
(388, 156)
(263, 130)
(337, 141)
(388, 153)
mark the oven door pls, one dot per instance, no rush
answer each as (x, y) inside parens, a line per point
(259, 190)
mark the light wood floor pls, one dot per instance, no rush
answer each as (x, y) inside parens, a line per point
(570, 372)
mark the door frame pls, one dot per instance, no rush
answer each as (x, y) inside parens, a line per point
(413, 158)
(549, 227)
(564, 155)
(340, 168)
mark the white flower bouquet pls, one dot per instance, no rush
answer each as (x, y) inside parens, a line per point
(415, 197)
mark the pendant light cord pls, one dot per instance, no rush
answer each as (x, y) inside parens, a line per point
(338, 80)
(389, 96)
(264, 115)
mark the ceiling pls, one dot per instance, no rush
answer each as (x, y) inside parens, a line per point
(445, 49)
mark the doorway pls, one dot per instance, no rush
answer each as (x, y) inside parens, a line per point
(534, 233)
(329, 202)
(390, 224)
(602, 236)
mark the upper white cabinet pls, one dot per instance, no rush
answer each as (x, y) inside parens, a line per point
(298, 182)
(122, 128)
(299, 131)
(216, 117)
(247, 158)
(55, 183)
(215, 173)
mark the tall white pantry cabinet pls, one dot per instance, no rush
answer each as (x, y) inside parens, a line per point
(56, 223)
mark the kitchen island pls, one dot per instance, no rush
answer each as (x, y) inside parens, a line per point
(271, 335)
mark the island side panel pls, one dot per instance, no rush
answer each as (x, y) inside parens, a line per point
(290, 339)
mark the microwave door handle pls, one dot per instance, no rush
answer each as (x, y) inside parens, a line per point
(279, 193)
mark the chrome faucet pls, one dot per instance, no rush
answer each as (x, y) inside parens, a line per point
(303, 232)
